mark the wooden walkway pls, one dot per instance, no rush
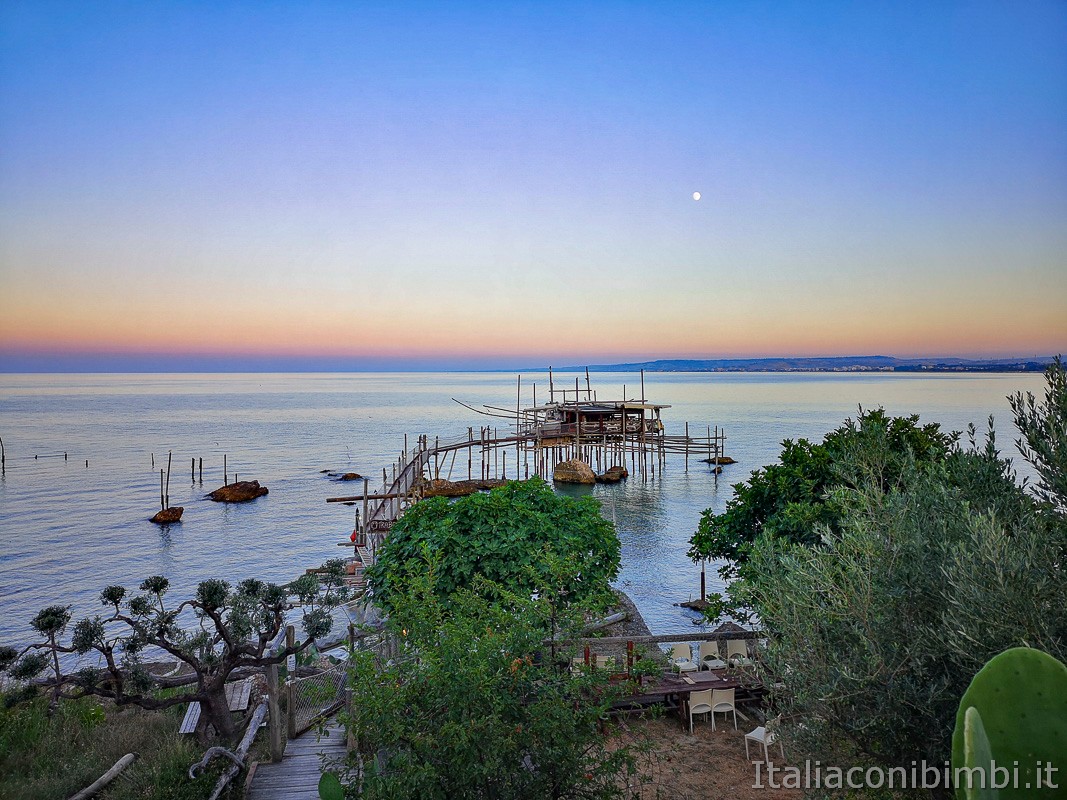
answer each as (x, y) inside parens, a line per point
(296, 776)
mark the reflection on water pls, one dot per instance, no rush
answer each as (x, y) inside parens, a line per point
(67, 531)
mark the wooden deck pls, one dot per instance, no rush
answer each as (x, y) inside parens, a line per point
(296, 776)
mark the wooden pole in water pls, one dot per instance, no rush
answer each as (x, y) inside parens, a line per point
(201, 465)
(687, 447)
(588, 387)
(192, 470)
(518, 424)
(225, 472)
(642, 386)
(3, 457)
(715, 468)
(366, 491)
(170, 455)
(551, 387)
(470, 447)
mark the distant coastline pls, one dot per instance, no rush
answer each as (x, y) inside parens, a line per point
(832, 364)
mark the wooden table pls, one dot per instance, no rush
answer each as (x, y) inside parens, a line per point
(675, 689)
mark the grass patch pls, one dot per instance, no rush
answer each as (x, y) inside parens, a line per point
(50, 759)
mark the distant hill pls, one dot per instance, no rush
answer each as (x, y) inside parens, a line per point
(834, 364)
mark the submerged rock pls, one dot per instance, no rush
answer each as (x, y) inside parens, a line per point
(573, 471)
(613, 475)
(240, 492)
(168, 515)
(719, 460)
(351, 476)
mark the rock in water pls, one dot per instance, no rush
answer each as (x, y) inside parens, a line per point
(719, 460)
(573, 471)
(240, 492)
(351, 476)
(439, 487)
(168, 515)
(613, 475)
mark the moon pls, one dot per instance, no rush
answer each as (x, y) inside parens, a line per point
(696, 195)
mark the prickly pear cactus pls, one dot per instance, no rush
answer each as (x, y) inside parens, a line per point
(1019, 701)
(330, 787)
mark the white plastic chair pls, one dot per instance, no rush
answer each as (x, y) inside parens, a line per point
(722, 702)
(737, 653)
(699, 703)
(682, 657)
(709, 656)
(765, 735)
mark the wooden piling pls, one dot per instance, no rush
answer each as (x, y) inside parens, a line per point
(290, 641)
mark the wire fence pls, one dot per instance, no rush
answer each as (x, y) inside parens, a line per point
(316, 696)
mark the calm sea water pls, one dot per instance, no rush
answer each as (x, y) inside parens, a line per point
(67, 530)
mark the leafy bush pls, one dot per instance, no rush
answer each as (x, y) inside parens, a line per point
(790, 500)
(507, 536)
(877, 623)
(476, 705)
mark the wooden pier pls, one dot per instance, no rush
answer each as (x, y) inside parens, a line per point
(296, 776)
(532, 440)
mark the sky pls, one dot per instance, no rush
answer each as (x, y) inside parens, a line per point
(369, 185)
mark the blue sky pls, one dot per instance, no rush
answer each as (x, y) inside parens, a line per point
(488, 184)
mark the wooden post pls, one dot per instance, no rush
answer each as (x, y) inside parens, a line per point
(225, 472)
(3, 457)
(642, 386)
(588, 387)
(170, 455)
(201, 465)
(470, 450)
(703, 589)
(366, 484)
(274, 709)
(687, 447)
(162, 502)
(290, 641)
(715, 463)
(551, 387)
(518, 404)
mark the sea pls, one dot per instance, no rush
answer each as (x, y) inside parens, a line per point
(83, 454)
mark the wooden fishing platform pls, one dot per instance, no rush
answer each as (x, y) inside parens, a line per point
(530, 440)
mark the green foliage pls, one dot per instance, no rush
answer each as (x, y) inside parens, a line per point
(1015, 710)
(920, 580)
(475, 705)
(791, 500)
(44, 757)
(51, 621)
(1043, 440)
(215, 633)
(508, 535)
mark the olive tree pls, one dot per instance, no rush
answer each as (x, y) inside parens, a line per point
(218, 633)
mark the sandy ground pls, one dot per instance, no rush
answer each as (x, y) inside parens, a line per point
(705, 766)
